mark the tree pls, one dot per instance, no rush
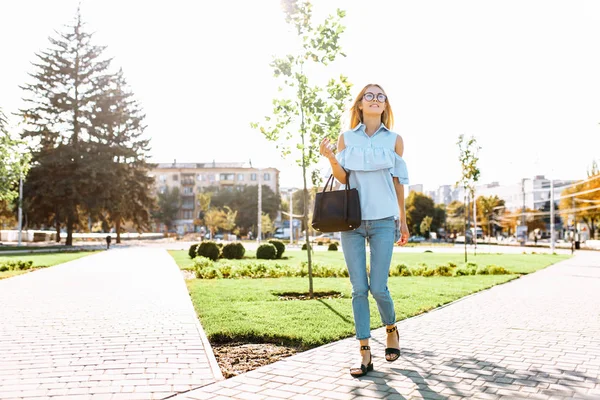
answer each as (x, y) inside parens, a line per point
(169, 203)
(426, 226)
(229, 221)
(267, 225)
(245, 202)
(418, 206)
(489, 210)
(582, 201)
(468, 157)
(13, 163)
(439, 217)
(122, 183)
(214, 219)
(69, 80)
(306, 113)
(456, 216)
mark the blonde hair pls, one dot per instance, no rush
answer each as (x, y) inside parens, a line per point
(356, 115)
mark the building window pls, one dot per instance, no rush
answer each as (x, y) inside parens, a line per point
(267, 176)
(188, 214)
(188, 190)
(162, 190)
(175, 177)
(227, 177)
(200, 177)
(252, 177)
(210, 177)
(240, 177)
(162, 178)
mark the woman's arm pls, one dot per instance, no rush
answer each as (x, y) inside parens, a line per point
(338, 171)
(399, 148)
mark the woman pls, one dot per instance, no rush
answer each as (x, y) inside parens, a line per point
(373, 154)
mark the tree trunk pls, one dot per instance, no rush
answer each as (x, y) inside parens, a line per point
(69, 241)
(308, 247)
(58, 232)
(118, 228)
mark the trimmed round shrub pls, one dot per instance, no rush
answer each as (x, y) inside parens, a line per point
(3, 268)
(279, 246)
(192, 251)
(266, 252)
(208, 250)
(332, 247)
(304, 246)
(233, 251)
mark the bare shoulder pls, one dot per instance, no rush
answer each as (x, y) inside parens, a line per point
(399, 146)
(341, 145)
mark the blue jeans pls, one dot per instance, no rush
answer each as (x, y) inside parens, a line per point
(381, 234)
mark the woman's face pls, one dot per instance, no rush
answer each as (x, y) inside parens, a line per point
(373, 102)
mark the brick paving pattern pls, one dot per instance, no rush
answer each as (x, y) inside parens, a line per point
(535, 338)
(116, 325)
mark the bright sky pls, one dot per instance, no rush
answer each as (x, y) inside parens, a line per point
(522, 76)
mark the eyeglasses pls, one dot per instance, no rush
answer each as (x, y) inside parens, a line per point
(370, 97)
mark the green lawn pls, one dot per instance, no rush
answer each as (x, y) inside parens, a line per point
(517, 263)
(41, 260)
(250, 310)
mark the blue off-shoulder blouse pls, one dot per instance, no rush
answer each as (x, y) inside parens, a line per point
(373, 162)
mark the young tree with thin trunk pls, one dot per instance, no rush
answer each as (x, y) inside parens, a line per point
(468, 157)
(306, 113)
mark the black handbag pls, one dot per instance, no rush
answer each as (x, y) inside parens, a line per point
(336, 210)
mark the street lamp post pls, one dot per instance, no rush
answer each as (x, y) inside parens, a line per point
(291, 219)
(20, 206)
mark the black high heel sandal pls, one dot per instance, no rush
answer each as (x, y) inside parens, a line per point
(392, 354)
(362, 371)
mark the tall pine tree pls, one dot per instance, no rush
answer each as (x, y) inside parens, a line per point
(125, 186)
(84, 130)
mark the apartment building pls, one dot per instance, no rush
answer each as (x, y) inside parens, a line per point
(192, 178)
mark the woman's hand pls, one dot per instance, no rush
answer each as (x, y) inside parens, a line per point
(326, 149)
(403, 234)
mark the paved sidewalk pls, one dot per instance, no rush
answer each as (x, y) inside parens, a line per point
(534, 338)
(116, 325)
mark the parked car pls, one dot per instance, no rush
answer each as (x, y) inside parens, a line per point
(416, 239)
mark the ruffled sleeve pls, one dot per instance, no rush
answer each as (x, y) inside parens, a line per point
(399, 170)
(366, 159)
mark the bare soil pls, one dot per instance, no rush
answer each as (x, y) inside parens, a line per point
(237, 358)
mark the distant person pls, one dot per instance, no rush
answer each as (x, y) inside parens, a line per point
(108, 240)
(373, 153)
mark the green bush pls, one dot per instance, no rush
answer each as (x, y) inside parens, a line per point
(233, 251)
(332, 247)
(323, 271)
(493, 270)
(443, 270)
(206, 269)
(279, 246)
(192, 251)
(400, 270)
(16, 265)
(465, 271)
(428, 272)
(304, 246)
(266, 251)
(209, 250)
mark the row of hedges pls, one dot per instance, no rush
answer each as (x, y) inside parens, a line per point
(235, 251)
(449, 269)
(15, 265)
(332, 246)
(208, 269)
